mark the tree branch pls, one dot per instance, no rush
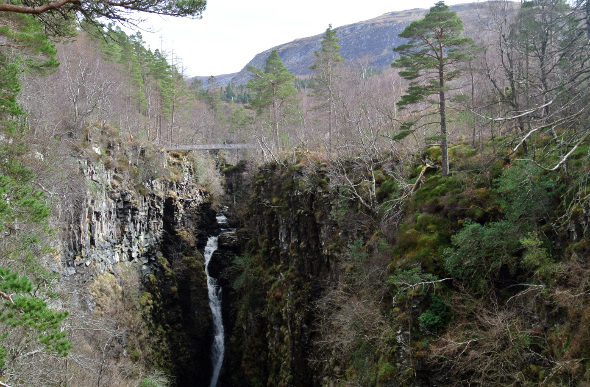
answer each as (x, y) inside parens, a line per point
(6, 296)
(412, 286)
(39, 9)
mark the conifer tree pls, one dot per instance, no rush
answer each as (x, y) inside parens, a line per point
(323, 85)
(430, 60)
(273, 93)
(59, 15)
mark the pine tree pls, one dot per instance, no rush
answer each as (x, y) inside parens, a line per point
(19, 309)
(273, 93)
(324, 82)
(58, 16)
(430, 60)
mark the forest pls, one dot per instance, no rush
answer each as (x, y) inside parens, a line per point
(422, 224)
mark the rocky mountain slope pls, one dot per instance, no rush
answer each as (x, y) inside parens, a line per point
(370, 42)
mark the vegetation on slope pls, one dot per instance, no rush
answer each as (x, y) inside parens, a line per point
(482, 278)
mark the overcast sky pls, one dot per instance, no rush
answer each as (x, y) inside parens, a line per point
(231, 32)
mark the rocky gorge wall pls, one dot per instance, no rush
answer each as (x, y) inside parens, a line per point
(118, 223)
(289, 238)
(152, 215)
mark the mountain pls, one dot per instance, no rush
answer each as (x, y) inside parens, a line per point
(371, 40)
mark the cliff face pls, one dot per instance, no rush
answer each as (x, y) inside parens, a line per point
(154, 222)
(121, 220)
(289, 255)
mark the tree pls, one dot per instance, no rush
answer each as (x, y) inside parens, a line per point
(540, 77)
(555, 50)
(57, 15)
(430, 61)
(323, 85)
(273, 93)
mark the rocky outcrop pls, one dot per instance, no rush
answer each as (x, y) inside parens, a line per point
(118, 223)
(150, 214)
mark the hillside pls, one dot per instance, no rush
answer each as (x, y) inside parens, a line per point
(371, 40)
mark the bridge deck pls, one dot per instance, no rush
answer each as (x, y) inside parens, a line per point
(209, 147)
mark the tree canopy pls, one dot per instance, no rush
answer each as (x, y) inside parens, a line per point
(430, 60)
(273, 92)
(54, 14)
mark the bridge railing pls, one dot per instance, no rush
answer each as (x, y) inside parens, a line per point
(179, 147)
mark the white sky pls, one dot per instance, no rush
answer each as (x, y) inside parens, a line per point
(231, 32)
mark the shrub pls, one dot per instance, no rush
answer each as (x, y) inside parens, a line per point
(479, 252)
(525, 192)
(436, 316)
(148, 382)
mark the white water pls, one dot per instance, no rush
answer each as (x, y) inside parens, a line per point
(221, 219)
(218, 347)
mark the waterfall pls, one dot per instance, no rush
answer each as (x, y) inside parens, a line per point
(218, 347)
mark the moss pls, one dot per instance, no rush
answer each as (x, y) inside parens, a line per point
(142, 189)
(461, 151)
(433, 153)
(435, 187)
(386, 189)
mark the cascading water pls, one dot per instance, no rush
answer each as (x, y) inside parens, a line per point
(218, 347)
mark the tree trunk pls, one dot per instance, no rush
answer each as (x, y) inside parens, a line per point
(275, 123)
(444, 147)
(330, 113)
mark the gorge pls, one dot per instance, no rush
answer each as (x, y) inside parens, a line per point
(310, 294)
(318, 287)
(379, 228)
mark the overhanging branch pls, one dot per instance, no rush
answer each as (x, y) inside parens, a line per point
(38, 9)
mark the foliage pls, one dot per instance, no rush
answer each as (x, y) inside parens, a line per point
(36, 54)
(23, 208)
(480, 251)
(435, 316)
(536, 258)
(149, 382)
(409, 279)
(323, 84)
(526, 192)
(235, 93)
(147, 70)
(21, 310)
(55, 14)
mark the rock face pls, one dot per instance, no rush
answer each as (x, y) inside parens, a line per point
(289, 236)
(154, 224)
(119, 224)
